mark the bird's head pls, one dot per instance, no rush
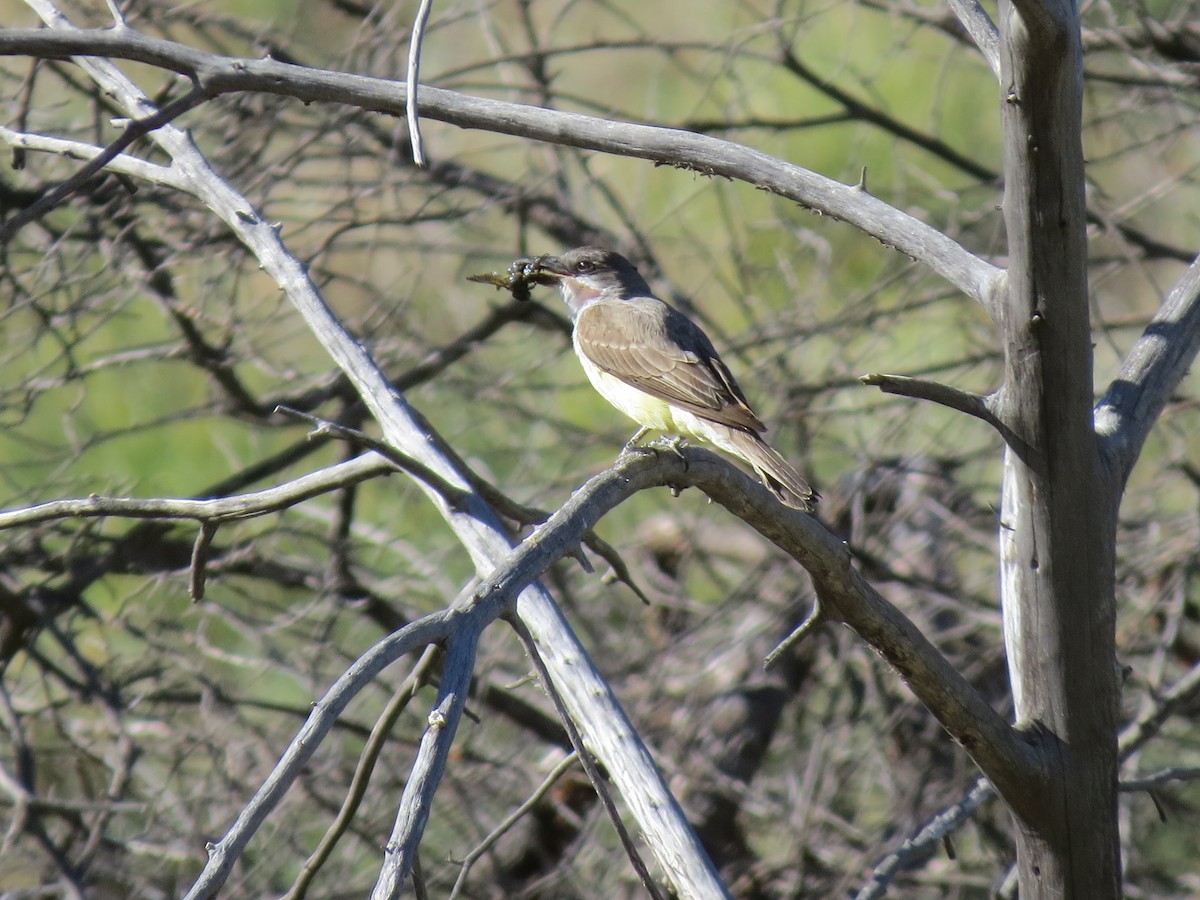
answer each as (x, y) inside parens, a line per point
(587, 273)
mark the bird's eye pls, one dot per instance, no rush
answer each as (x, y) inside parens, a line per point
(584, 265)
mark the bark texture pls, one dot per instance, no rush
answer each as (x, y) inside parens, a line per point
(1058, 524)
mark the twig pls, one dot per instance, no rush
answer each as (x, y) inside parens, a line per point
(136, 129)
(619, 571)
(982, 408)
(935, 392)
(204, 539)
(512, 819)
(419, 889)
(413, 77)
(115, 11)
(1182, 693)
(935, 830)
(1156, 779)
(430, 761)
(122, 163)
(811, 621)
(221, 509)
(455, 497)
(362, 773)
(533, 515)
(521, 513)
(222, 855)
(586, 760)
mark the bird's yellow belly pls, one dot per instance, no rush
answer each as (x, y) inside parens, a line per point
(643, 408)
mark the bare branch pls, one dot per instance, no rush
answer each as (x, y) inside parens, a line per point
(803, 630)
(225, 853)
(981, 407)
(695, 152)
(222, 509)
(1135, 735)
(1151, 372)
(933, 832)
(411, 112)
(586, 760)
(451, 494)
(204, 539)
(430, 762)
(1159, 778)
(996, 746)
(515, 816)
(982, 29)
(633, 769)
(115, 11)
(362, 772)
(134, 130)
(121, 163)
(935, 392)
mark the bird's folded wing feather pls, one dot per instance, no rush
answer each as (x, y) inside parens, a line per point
(654, 348)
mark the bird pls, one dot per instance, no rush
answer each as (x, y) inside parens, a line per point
(658, 367)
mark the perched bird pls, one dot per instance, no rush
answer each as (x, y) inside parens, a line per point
(655, 365)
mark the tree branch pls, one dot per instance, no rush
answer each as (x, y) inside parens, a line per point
(223, 509)
(699, 153)
(935, 392)
(633, 769)
(430, 763)
(121, 163)
(134, 130)
(222, 855)
(586, 760)
(1167, 703)
(1159, 778)
(412, 111)
(997, 748)
(1151, 372)
(362, 772)
(510, 820)
(932, 832)
(982, 29)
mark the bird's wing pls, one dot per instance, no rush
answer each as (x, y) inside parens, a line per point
(653, 347)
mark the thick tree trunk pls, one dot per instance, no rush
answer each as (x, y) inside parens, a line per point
(1058, 523)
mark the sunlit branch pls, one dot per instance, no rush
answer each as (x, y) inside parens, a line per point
(222, 509)
(1151, 372)
(695, 152)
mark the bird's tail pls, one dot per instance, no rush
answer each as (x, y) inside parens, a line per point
(773, 470)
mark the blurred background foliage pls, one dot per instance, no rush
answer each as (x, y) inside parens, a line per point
(144, 354)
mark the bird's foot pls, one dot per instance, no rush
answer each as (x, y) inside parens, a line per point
(676, 444)
(632, 443)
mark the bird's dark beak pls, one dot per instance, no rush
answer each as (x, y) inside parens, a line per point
(549, 267)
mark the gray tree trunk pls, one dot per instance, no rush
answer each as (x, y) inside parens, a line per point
(1059, 510)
